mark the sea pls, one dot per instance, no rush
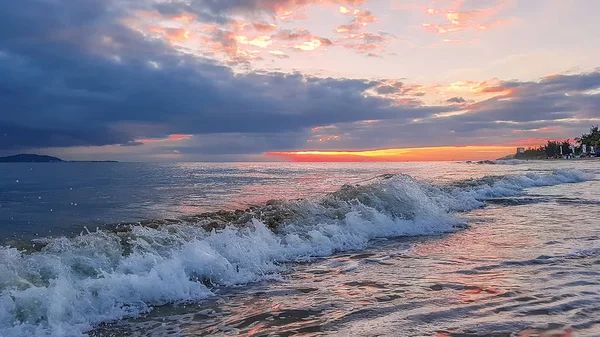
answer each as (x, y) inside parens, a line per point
(446, 249)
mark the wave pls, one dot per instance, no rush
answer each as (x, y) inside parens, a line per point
(71, 285)
(499, 162)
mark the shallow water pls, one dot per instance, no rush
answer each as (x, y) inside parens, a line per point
(514, 272)
(528, 264)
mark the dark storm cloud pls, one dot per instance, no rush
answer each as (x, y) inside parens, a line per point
(552, 98)
(72, 75)
(16, 137)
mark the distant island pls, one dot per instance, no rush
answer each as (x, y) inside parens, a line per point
(30, 158)
(36, 158)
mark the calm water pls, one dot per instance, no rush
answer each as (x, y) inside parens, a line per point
(456, 250)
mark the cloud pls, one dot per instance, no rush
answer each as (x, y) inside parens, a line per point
(357, 39)
(132, 143)
(171, 138)
(304, 40)
(97, 82)
(556, 107)
(291, 35)
(462, 16)
(264, 27)
(276, 6)
(221, 11)
(458, 100)
(88, 78)
(279, 54)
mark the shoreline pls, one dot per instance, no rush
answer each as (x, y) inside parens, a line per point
(552, 159)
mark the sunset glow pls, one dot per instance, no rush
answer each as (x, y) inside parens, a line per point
(448, 153)
(266, 80)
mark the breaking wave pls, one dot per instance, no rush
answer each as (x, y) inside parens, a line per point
(71, 285)
(499, 162)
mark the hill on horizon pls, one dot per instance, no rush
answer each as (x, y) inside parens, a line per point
(30, 158)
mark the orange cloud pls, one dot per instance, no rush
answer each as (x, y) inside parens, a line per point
(171, 34)
(233, 43)
(264, 27)
(328, 138)
(261, 41)
(446, 153)
(291, 15)
(309, 41)
(185, 17)
(177, 34)
(361, 19)
(239, 42)
(286, 5)
(362, 47)
(172, 138)
(313, 44)
(287, 10)
(494, 86)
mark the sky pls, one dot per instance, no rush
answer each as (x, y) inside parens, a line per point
(298, 80)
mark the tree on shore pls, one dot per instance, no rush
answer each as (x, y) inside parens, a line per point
(550, 150)
(590, 139)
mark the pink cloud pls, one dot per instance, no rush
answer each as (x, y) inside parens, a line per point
(361, 19)
(456, 18)
(264, 27)
(305, 40)
(354, 31)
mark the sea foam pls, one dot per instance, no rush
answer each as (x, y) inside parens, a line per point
(73, 284)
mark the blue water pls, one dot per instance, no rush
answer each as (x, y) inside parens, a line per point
(429, 249)
(44, 199)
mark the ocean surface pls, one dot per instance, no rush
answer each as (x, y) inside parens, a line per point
(279, 249)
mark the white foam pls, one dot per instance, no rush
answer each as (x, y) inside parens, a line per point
(510, 162)
(499, 162)
(510, 186)
(74, 284)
